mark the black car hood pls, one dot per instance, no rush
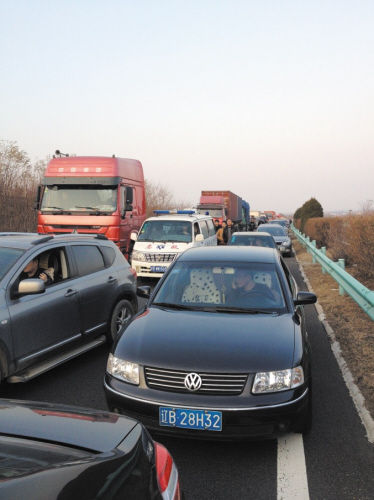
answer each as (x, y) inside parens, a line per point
(99, 431)
(218, 342)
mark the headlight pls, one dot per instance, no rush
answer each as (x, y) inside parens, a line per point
(124, 370)
(281, 380)
(136, 255)
(286, 243)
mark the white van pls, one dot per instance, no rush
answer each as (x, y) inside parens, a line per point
(163, 237)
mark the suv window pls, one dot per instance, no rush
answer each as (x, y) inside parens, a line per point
(8, 256)
(211, 228)
(88, 258)
(109, 255)
(204, 229)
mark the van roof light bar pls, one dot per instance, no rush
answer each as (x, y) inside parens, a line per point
(173, 212)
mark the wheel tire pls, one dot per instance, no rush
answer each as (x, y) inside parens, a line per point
(303, 425)
(122, 313)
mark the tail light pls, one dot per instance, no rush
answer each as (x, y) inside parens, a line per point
(167, 473)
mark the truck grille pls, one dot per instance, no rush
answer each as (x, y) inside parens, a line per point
(160, 257)
(212, 383)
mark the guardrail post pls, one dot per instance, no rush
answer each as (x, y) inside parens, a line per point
(341, 263)
(313, 255)
(323, 250)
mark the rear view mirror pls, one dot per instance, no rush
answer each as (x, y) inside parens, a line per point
(199, 238)
(304, 298)
(143, 291)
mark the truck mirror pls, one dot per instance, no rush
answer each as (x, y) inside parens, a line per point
(133, 236)
(199, 238)
(37, 201)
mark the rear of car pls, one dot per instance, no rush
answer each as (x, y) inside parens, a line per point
(253, 238)
(57, 451)
(280, 235)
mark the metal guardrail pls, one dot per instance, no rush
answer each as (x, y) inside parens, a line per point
(347, 283)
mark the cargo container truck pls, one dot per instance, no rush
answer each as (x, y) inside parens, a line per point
(228, 207)
(93, 194)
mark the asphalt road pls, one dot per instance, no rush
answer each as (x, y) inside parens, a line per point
(339, 460)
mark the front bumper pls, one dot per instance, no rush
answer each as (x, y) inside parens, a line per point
(277, 415)
(143, 269)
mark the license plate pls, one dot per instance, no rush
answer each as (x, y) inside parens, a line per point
(186, 418)
(158, 269)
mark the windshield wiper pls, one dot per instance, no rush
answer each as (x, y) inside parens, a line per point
(88, 208)
(175, 306)
(242, 310)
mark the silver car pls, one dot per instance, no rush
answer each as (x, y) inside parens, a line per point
(280, 235)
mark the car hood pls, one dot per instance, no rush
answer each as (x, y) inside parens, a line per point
(100, 431)
(218, 342)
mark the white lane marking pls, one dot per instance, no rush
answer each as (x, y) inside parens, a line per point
(292, 481)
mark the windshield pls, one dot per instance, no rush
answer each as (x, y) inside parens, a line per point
(166, 231)
(273, 230)
(222, 287)
(80, 198)
(253, 241)
(8, 256)
(213, 212)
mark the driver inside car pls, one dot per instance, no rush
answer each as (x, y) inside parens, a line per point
(245, 291)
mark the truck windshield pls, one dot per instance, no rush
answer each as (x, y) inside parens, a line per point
(213, 212)
(80, 199)
(166, 231)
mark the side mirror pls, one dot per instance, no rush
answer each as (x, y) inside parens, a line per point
(304, 298)
(37, 201)
(143, 291)
(31, 286)
(133, 236)
(199, 238)
(128, 208)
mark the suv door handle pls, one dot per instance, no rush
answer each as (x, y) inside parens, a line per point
(111, 279)
(70, 292)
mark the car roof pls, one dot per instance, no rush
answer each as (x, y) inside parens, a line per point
(183, 218)
(261, 234)
(231, 254)
(29, 240)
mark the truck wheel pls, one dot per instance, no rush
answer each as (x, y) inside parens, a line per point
(122, 313)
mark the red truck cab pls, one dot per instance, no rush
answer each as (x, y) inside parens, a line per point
(93, 194)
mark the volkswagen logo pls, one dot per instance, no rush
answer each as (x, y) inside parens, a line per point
(193, 382)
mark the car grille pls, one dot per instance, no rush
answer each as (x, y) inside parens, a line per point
(212, 383)
(160, 257)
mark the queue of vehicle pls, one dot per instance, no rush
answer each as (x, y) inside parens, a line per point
(201, 359)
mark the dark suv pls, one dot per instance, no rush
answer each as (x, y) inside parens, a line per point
(89, 295)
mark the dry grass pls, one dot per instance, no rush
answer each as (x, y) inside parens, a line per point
(353, 328)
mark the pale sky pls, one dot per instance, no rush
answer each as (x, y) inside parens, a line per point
(272, 100)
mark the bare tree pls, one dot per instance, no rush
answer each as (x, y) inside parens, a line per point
(19, 178)
(159, 197)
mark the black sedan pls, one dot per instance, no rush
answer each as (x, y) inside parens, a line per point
(55, 451)
(220, 351)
